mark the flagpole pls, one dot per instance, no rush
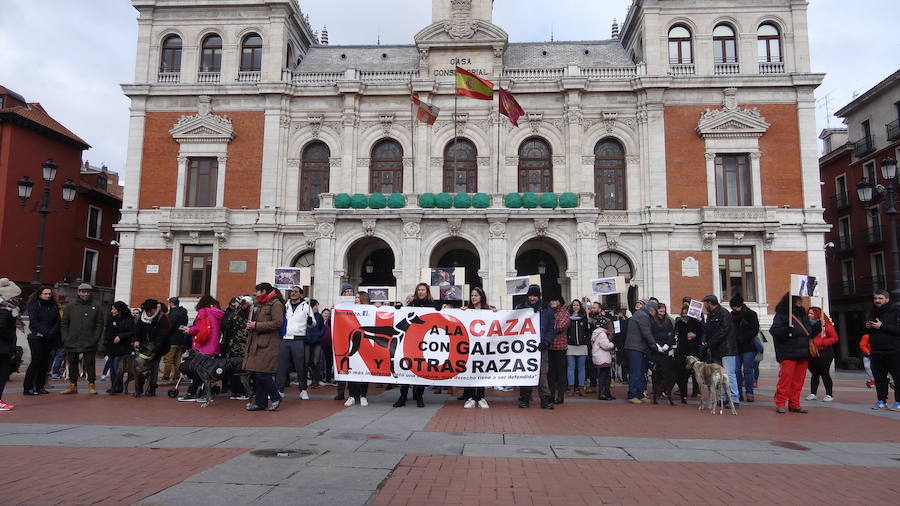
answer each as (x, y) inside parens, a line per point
(499, 87)
(455, 135)
(412, 133)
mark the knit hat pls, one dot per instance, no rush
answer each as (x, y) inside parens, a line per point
(8, 289)
(736, 301)
(345, 287)
(651, 305)
(246, 299)
(534, 290)
(85, 286)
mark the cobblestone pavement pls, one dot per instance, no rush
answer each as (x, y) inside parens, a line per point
(95, 449)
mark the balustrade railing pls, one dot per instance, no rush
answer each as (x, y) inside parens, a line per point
(681, 69)
(208, 77)
(168, 77)
(773, 67)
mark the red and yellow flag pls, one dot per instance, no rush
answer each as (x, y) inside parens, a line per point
(510, 108)
(425, 112)
(472, 86)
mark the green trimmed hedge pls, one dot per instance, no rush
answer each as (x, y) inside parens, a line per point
(548, 201)
(396, 201)
(443, 200)
(359, 201)
(513, 200)
(462, 201)
(568, 200)
(426, 200)
(481, 200)
(377, 201)
(342, 201)
(529, 200)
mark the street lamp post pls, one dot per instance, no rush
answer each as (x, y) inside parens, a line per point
(867, 190)
(44, 207)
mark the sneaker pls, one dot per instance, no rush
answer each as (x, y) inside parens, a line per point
(870, 384)
(239, 398)
(56, 377)
(827, 398)
(645, 399)
(482, 403)
(281, 393)
(350, 401)
(811, 397)
(363, 401)
(274, 406)
(304, 396)
(635, 400)
(103, 378)
(879, 405)
(895, 406)
(469, 404)
(6, 407)
(188, 398)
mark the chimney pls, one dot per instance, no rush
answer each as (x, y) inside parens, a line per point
(324, 37)
(615, 29)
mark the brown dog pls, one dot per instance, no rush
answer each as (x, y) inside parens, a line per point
(715, 378)
(139, 366)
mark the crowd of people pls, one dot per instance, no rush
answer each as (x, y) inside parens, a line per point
(584, 347)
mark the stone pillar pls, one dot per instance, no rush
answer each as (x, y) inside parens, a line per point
(573, 118)
(656, 137)
(587, 250)
(496, 263)
(271, 159)
(408, 275)
(326, 265)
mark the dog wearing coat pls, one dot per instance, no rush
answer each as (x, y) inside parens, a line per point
(211, 369)
(715, 378)
(139, 366)
(664, 374)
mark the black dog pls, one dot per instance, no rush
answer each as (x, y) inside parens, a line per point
(139, 366)
(664, 375)
(209, 369)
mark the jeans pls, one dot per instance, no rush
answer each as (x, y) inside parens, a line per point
(730, 365)
(573, 361)
(115, 374)
(637, 375)
(543, 383)
(265, 389)
(59, 355)
(36, 374)
(291, 351)
(745, 371)
(313, 352)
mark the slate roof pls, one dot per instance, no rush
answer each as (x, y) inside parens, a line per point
(600, 53)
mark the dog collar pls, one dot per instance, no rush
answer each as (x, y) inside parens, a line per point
(144, 357)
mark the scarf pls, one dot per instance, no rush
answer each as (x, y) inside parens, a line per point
(265, 298)
(149, 320)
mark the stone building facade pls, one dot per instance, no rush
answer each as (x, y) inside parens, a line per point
(688, 141)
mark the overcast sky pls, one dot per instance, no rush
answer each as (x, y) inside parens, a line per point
(72, 55)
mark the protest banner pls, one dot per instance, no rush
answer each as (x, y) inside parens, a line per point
(421, 346)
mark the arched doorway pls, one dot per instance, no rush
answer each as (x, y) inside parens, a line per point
(546, 258)
(457, 252)
(308, 259)
(370, 262)
(610, 265)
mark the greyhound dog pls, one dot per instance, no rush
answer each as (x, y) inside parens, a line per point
(715, 378)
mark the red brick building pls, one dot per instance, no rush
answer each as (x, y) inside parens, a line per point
(78, 241)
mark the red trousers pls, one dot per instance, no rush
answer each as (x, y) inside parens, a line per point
(791, 377)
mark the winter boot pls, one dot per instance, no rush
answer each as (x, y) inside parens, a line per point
(72, 389)
(92, 389)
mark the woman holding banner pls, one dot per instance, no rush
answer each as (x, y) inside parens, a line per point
(346, 291)
(358, 389)
(421, 298)
(475, 395)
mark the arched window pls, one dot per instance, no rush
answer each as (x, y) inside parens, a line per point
(315, 172)
(768, 43)
(289, 63)
(680, 50)
(609, 175)
(251, 53)
(610, 265)
(386, 167)
(724, 44)
(211, 54)
(170, 60)
(535, 166)
(460, 167)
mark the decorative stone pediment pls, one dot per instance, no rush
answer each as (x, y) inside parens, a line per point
(731, 120)
(204, 126)
(460, 26)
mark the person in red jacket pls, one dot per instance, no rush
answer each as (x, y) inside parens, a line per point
(866, 349)
(820, 367)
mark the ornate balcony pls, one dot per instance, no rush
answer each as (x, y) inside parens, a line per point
(168, 77)
(872, 235)
(771, 67)
(248, 76)
(208, 77)
(843, 243)
(840, 201)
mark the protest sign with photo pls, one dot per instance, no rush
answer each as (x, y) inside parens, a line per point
(286, 277)
(607, 286)
(518, 285)
(383, 293)
(695, 309)
(804, 285)
(421, 346)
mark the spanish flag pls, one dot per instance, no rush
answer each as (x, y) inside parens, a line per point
(472, 86)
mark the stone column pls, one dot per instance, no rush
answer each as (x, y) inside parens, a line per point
(656, 136)
(408, 275)
(326, 264)
(496, 263)
(587, 250)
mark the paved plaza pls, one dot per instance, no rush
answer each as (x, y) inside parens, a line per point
(85, 449)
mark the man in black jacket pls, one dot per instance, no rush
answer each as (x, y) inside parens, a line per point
(178, 317)
(746, 324)
(548, 332)
(721, 338)
(152, 327)
(884, 338)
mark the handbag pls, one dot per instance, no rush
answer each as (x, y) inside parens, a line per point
(811, 345)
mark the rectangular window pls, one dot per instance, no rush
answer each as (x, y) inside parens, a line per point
(737, 275)
(95, 215)
(878, 280)
(847, 280)
(869, 172)
(196, 270)
(89, 266)
(867, 129)
(733, 180)
(844, 233)
(202, 178)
